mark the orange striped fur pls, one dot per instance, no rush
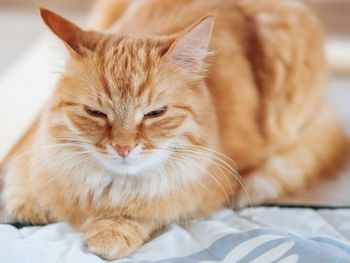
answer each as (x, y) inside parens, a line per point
(155, 102)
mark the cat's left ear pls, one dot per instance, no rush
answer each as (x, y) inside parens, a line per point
(76, 39)
(191, 47)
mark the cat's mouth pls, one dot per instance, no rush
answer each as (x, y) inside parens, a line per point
(124, 162)
(123, 165)
(135, 165)
(138, 162)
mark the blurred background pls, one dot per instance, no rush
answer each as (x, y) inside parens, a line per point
(24, 71)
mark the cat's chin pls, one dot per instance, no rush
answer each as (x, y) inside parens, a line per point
(126, 169)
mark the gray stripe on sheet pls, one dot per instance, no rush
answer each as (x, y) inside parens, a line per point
(320, 249)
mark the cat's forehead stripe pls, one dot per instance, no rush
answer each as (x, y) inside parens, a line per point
(127, 64)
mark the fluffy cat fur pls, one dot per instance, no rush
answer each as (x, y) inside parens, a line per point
(178, 96)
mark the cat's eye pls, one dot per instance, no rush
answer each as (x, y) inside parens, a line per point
(156, 113)
(95, 113)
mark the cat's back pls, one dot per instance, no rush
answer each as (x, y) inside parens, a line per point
(166, 17)
(151, 17)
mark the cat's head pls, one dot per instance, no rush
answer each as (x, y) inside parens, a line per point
(131, 102)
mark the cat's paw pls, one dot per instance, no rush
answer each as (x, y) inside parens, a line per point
(259, 189)
(112, 239)
(29, 213)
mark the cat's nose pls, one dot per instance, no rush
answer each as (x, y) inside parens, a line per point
(124, 150)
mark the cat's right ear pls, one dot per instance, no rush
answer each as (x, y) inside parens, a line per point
(72, 36)
(191, 47)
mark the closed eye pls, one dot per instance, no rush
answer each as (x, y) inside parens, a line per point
(156, 113)
(95, 113)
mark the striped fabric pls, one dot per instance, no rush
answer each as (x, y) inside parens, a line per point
(258, 235)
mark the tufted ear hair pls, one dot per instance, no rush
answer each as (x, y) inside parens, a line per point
(75, 39)
(191, 47)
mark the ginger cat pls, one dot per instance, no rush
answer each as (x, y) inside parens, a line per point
(150, 107)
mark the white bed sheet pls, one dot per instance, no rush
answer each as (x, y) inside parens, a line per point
(252, 235)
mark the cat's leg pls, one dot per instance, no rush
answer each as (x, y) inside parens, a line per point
(21, 206)
(21, 200)
(320, 150)
(114, 238)
(27, 211)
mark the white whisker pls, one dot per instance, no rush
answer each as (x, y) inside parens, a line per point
(207, 173)
(209, 155)
(234, 173)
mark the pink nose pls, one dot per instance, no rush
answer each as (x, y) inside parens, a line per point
(124, 150)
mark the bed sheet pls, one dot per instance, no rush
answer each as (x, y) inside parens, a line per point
(252, 235)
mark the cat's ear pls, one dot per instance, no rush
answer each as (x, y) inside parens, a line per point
(191, 47)
(72, 36)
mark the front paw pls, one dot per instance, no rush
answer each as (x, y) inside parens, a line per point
(114, 239)
(29, 213)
